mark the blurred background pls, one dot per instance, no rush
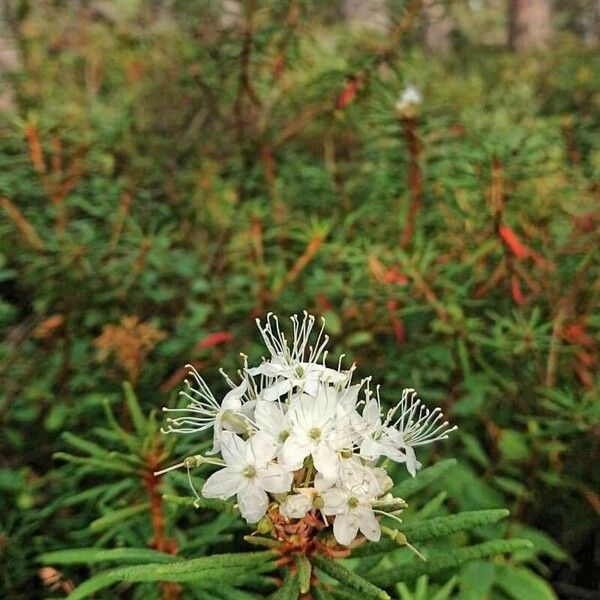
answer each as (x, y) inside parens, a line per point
(421, 173)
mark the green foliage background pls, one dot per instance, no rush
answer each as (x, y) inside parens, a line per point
(195, 190)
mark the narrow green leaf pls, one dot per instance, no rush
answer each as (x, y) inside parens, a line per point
(290, 588)
(477, 579)
(370, 549)
(103, 465)
(96, 555)
(133, 405)
(463, 356)
(116, 516)
(423, 478)
(336, 570)
(519, 583)
(433, 528)
(126, 438)
(404, 592)
(444, 592)
(261, 583)
(237, 567)
(148, 573)
(441, 526)
(542, 543)
(92, 493)
(85, 445)
(433, 506)
(421, 588)
(321, 593)
(304, 572)
(131, 459)
(259, 540)
(341, 593)
(437, 561)
(229, 593)
(208, 503)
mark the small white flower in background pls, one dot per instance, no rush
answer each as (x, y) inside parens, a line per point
(409, 101)
(296, 441)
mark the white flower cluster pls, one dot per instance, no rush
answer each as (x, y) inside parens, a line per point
(301, 436)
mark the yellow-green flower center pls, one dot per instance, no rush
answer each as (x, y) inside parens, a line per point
(315, 434)
(250, 472)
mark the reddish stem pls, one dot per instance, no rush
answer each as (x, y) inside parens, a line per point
(415, 178)
(159, 541)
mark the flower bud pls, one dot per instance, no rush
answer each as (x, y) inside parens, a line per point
(409, 102)
(265, 525)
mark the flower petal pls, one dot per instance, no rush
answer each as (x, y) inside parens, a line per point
(301, 412)
(327, 461)
(260, 449)
(223, 484)
(253, 501)
(345, 528)
(322, 483)
(275, 391)
(270, 418)
(268, 369)
(371, 413)
(371, 449)
(347, 399)
(232, 399)
(294, 451)
(368, 524)
(295, 506)
(412, 464)
(335, 501)
(275, 479)
(217, 437)
(233, 449)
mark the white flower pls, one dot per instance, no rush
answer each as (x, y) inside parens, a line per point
(298, 366)
(249, 473)
(295, 506)
(370, 429)
(409, 99)
(206, 412)
(313, 432)
(353, 513)
(271, 418)
(371, 481)
(415, 425)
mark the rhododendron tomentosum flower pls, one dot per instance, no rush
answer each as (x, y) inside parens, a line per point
(204, 411)
(298, 446)
(415, 425)
(250, 473)
(353, 512)
(314, 433)
(409, 101)
(298, 366)
(408, 425)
